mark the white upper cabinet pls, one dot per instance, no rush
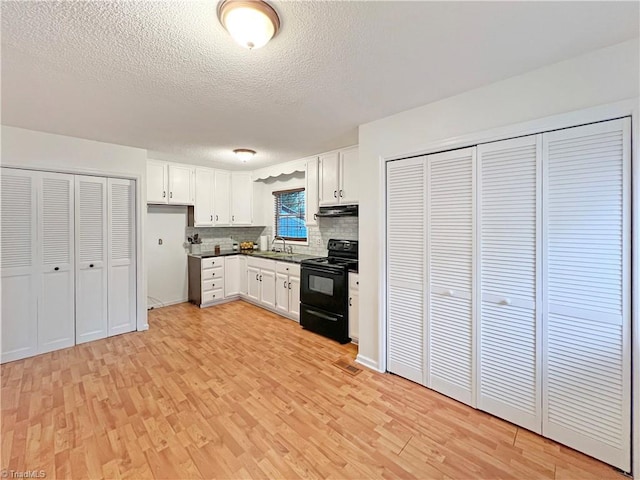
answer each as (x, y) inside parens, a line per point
(203, 210)
(338, 177)
(157, 182)
(311, 191)
(181, 179)
(170, 183)
(241, 198)
(349, 176)
(329, 170)
(222, 198)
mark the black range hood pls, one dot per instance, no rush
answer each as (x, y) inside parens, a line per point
(338, 211)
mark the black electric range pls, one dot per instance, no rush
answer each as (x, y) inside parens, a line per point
(324, 290)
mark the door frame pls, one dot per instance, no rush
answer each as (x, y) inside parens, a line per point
(140, 217)
(625, 108)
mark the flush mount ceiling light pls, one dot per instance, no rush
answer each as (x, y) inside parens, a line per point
(244, 154)
(251, 23)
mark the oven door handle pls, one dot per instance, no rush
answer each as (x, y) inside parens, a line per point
(309, 269)
(323, 316)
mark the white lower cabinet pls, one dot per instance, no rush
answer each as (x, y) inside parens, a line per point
(261, 274)
(68, 260)
(354, 306)
(232, 276)
(288, 289)
(508, 281)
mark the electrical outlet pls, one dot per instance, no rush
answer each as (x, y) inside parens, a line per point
(318, 242)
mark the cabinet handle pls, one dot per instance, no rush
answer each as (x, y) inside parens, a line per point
(214, 296)
(257, 277)
(289, 285)
(57, 268)
(91, 265)
(260, 277)
(170, 194)
(358, 282)
(213, 284)
(285, 284)
(233, 218)
(340, 193)
(164, 194)
(335, 194)
(350, 302)
(315, 216)
(216, 218)
(212, 218)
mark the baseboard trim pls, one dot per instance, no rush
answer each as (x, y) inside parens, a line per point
(166, 304)
(369, 363)
(272, 310)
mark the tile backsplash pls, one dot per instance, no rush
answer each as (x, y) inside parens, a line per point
(343, 228)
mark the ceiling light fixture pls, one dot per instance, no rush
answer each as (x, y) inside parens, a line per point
(244, 154)
(251, 23)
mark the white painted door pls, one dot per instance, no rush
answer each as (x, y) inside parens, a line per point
(450, 211)
(253, 286)
(329, 170)
(406, 268)
(586, 289)
(203, 205)
(282, 292)
(354, 314)
(180, 183)
(157, 182)
(91, 258)
(121, 256)
(231, 276)
(56, 312)
(294, 296)
(20, 272)
(268, 288)
(349, 175)
(311, 191)
(509, 370)
(241, 198)
(243, 274)
(221, 195)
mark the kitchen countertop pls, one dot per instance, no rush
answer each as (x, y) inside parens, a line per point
(281, 257)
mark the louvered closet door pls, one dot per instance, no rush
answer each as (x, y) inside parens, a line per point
(56, 312)
(450, 253)
(509, 355)
(586, 302)
(406, 268)
(122, 256)
(91, 258)
(19, 264)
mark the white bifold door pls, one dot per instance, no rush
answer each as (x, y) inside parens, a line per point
(586, 289)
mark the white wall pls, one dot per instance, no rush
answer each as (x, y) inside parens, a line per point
(167, 280)
(38, 150)
(600, 77)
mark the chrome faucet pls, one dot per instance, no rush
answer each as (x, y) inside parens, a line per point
(284, 244)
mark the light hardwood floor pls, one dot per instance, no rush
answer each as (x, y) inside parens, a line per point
(236, 392)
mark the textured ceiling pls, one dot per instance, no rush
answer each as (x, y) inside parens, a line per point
(165, 76)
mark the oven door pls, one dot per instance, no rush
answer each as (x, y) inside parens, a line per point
(324, 288)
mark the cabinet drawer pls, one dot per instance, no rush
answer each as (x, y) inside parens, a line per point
(354, 283)
(261, 263)
(288, 268)
(213, 296)
(210, 273)
(209, 284)
(213, 262)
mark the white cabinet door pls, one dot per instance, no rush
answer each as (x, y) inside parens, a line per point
(282, 292)
(241, 198)
(253, 285)
(56, 312)
(121, 256)
(20, 272)
(157, 182)
(349, 176)
(203, 204)
(509, 368)
(586, 289)
(354, 314)
(294, 296)
(231, 276)
(243, 274)
(450, 213)
(311, 191)
(180, 184)
(329, 168)
(406, 268)
(268, 288)
(91, 258)
(221, 195)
